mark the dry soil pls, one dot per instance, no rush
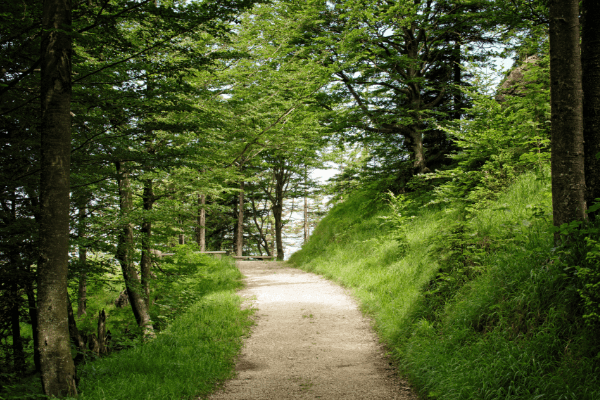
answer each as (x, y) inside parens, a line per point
(310, 341)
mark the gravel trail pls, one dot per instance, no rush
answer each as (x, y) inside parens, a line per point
(310, 341)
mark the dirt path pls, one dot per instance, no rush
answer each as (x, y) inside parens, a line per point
(310, 342)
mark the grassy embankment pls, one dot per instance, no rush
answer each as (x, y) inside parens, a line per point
(200, 330)
(472, 308)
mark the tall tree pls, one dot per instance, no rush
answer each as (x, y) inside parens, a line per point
(57, 367)
(568, 182)
(590, 59)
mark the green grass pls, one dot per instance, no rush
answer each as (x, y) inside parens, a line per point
(472, 308)
(194, 353)
(200, 327)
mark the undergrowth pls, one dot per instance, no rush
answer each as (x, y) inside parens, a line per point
(475, 302)
(196, 314)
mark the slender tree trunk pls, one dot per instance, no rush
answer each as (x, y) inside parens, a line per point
(457, 78)
(146, 231)
(305, 218)
(102, 339)
(278, 213)
(82, 287)
(57, 367)
(240, 223)
(202, 222)
(31, 303)
(76, 337)
(590, 57)
(15, 299)
(272, 239)
(17, 340)
(125, 257)
(568, 182)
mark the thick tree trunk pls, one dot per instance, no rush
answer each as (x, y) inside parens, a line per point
(240, 224)
(590, 57)
(82, 287)
(146, 231)
(418, 152)
(125, 257)
(201, 222)
(57, 367)
(568, 182)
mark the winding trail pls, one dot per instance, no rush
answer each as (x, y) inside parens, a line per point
(310, 341)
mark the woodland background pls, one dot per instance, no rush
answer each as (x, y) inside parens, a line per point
(149, 127)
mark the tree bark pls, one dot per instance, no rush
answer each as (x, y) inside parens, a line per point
(102, 341)
(590, 58)
(202, 222)
(240, 223)
(14, 298)
(125, 256)
(31, 303)
(568, 182)
(82, 287)
(146, 231)
(17, 340)
(76, 337)
(305, 218)
(277, 214)
(57, 367)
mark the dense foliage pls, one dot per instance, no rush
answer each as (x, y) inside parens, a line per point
(201, 122)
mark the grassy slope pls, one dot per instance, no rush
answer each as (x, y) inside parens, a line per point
(188, 358)
(507, 332)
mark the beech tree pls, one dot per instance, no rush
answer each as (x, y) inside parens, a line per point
(568, 182)
(57, 367)
(590, 59)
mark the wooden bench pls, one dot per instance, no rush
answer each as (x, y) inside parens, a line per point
(216, 254)
(249, 257)
(160, 254)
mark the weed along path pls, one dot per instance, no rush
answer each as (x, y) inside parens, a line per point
(310, 342)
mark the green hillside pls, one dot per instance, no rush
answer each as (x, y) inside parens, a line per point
(473, 305)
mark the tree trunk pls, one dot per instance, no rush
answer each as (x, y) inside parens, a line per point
(124, 255)
(590, 58)
(415, 142)
(34, 326)
(57, 367)
(457, 78)
(201, 222)
(568, 182)
(305, 205)
(240, 224)
(82, 287)
(17, 340)
(305, 219)
(15, 299)
(277, 214)
(102, 340)
(146, 231)
(76, 337)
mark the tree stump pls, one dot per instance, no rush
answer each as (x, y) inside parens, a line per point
(123, 299)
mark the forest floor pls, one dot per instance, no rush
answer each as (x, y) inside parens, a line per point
(310, 341)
